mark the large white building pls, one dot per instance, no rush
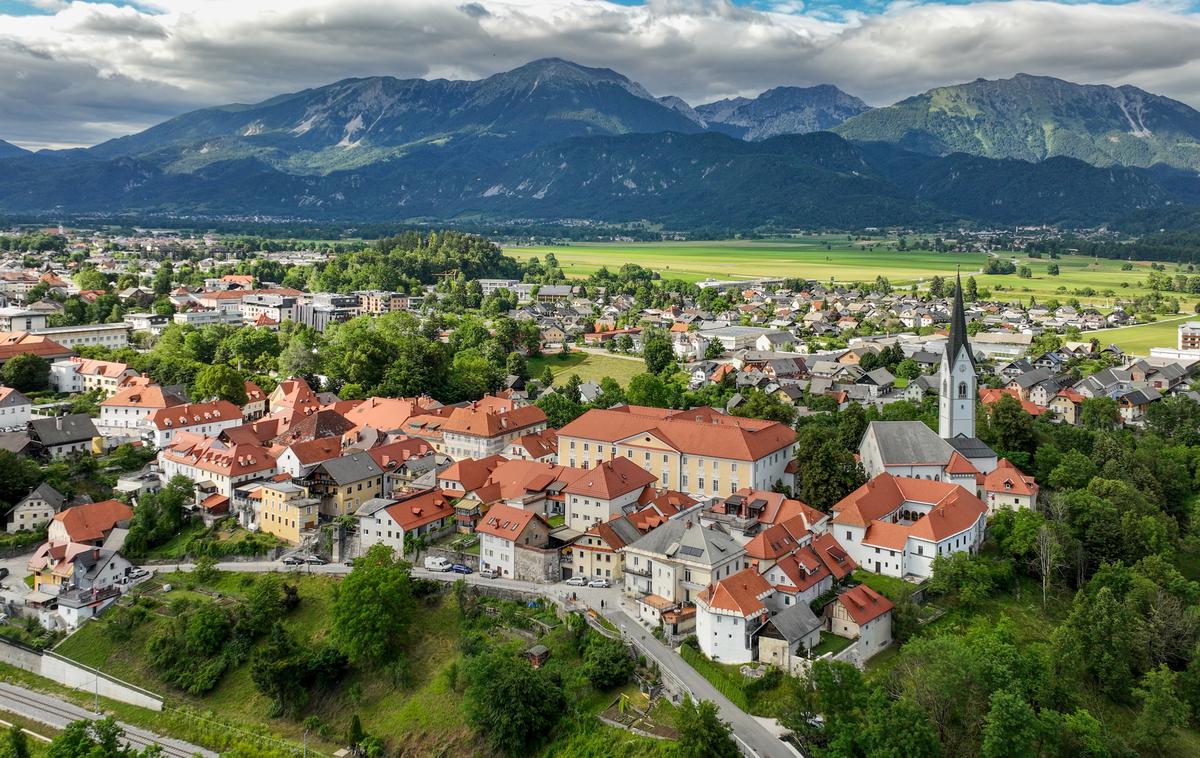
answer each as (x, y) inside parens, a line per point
(896, 525)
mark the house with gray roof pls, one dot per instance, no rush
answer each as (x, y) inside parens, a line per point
(63, 436)
(677, 560)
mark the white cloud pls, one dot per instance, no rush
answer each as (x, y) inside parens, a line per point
(90, 71)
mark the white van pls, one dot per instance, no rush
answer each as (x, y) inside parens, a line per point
(437, 563)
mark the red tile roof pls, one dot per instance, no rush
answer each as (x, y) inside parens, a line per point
(506, 522)
(92, 522)
(195, 414)
(698, 431)
(149, 396)
(419, 509)
(1007, 478)
(216, 457)
(15, 343)
(743, 593)
(612, 479)
(864, 604)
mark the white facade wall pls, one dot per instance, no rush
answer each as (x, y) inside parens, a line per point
(583, 511)
(722, 636)
(956, 403)
(163, 437)
(497, 554)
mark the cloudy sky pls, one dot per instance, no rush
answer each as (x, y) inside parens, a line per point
(77, 73)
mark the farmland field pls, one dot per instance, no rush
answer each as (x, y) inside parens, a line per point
(843, 261)
(809, 258)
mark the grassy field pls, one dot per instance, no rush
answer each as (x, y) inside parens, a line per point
(423, 719)
(1139, 339)
(810, 258)
(589, 366)
(835, 258)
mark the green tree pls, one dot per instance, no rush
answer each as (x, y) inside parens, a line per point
(90, 279)
(205, 569)
(606, 662)
(1074, 472)
(372, 607)
(702, 734)
(1099, 413)
(560, 409)
(714, 350)
(510, 703)
(759, 404)
(1162, 710)
(95, 739)
(1010, 427)
(15, 743)
(515, 365)
(650, 390)
(222, 382)
(657, 350)
(26, 372)
(828, 473)
(1052, 269)
(1012, 729)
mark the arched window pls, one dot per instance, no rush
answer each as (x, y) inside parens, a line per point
(962, 389)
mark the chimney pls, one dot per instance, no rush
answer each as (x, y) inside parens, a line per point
(58, 423)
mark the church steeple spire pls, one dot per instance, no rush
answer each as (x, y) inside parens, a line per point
(958, 325)
(956, 404)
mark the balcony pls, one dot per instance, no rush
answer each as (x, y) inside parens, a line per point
(637, 570)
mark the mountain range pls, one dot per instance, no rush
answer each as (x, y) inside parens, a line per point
(9, 150)
(555, 140)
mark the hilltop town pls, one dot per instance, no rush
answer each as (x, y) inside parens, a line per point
(793, 476)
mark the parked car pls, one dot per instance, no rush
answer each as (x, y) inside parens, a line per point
(461, 568)
(292, 560)
(437, 563)
(576, 581)
(601, 583)
(489, 574)
(3, 573)
(314, 560)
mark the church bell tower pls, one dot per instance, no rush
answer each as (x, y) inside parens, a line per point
(958, 392)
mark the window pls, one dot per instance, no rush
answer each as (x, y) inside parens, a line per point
(962, 389)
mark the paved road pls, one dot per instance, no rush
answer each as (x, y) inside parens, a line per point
(57, 714)
(755, 738)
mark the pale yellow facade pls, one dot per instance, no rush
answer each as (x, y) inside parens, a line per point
(286, 510)
(698, 475)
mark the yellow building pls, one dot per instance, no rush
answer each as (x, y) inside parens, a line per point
(285, 510)
(700, 451)
(343, 484)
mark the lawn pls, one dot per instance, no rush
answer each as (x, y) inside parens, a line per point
(888, 586)
(1139, 339)
(589, 366)
(831, 643)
